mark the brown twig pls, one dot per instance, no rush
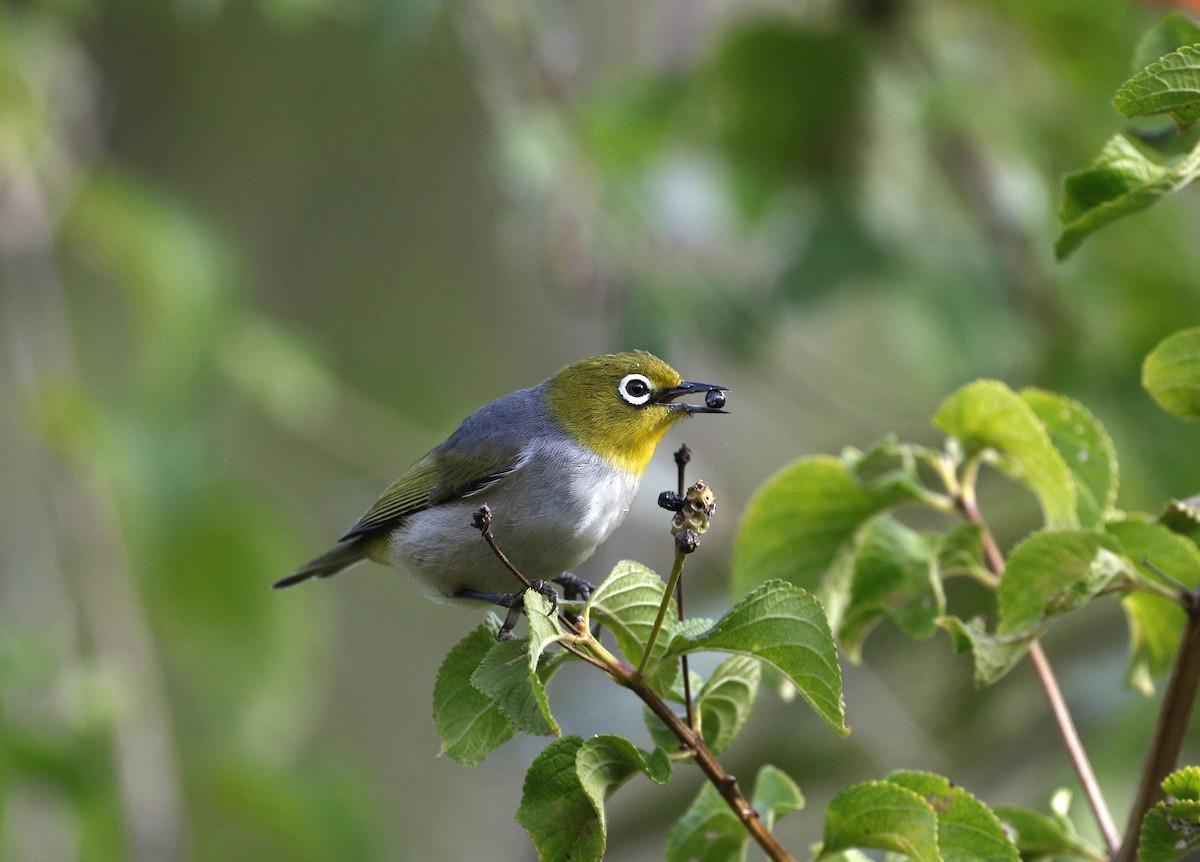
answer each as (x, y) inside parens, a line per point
(725, 783)
(683, 456)
(1058, 705)
(1174, 717)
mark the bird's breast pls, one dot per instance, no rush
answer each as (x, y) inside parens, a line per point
(548, 516)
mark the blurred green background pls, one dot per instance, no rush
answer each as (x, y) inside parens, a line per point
(255, 257)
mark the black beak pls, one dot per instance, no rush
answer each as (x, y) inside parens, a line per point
(714, 397)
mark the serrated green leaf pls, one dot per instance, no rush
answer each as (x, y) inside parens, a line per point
(726, 699)
(1049, 574)
(1170, 85)
(1086, 449)
(879, 815)
(707, 832)
(1171, 373)
(604, 763)
(987, 414)
(469, 722)
(967, 830)
(1155, 621)
(1171, 828)
(508, 673)
(562, 802)
(1183, 784)
(1171, 32)
(555, 809)
(784, 626)
(893, 577)
(775, 795)
(801, 520)
(627, 603)
(1119, 182)
(1040, 836)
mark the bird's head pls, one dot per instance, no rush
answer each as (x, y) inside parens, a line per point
(621, 404)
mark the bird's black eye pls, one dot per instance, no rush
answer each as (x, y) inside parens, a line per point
(635, 389)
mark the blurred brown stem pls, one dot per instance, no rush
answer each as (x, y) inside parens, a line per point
(1174, 717)
(1045, 674)
(725, 783)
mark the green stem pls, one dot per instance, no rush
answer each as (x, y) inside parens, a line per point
(676, 571)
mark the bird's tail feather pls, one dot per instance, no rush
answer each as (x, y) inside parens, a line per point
(337, 559)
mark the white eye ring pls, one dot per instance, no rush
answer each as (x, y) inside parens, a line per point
(636, 389)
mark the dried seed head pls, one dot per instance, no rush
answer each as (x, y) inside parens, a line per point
(697, 509)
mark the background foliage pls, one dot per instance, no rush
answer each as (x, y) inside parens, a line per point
(255, 257)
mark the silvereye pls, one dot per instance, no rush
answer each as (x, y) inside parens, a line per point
(558, 465)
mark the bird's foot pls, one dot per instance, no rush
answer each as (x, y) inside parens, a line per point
(515, 602)
(575, 587)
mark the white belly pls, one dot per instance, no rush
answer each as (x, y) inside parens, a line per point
(547, 517)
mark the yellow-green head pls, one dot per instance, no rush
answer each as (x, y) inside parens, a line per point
(620, 405)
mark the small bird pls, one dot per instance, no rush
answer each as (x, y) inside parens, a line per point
(557, 464)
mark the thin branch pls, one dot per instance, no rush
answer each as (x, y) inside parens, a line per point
(1174, 717)
(683, 456)
(725, 783)
(1045, 674)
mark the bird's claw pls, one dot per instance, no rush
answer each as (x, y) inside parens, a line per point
(515, 602)
(575, 587)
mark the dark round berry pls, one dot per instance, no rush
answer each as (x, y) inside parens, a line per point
(714, 399)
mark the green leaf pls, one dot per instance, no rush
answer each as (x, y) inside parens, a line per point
(1173, 31)
(801, 519)
(725, 700)
(1049, 574)
(508, 673)
(784, 626)
(967, 830)
(468, 721)
(604, 763)
(1183, 784)
(1086, 449)
(1155, 621)
(555, 809)
(893, 577)
(627, 603)
(1171, 828)
(1171, 374)
(1040, 836)
(1119, 182)
(1170, 85)
(1053, 572)
(987, 415)
(707, 832)
(775, 795)
(879, 815)
(562, 802)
